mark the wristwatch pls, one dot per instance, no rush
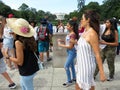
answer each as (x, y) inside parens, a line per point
(8, 57)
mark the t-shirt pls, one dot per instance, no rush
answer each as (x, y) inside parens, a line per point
(68, 37)
(6, 33)
(118, 33)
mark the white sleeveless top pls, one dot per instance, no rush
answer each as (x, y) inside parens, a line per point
(61, 29)
(67, 40)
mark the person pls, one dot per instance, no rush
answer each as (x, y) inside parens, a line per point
(60, 27)
(102, 29)
(50, 27)
(110, 39)
(71, 52)
(25, 47)
(8, 44)
(88, 52)
(43, 40)
(33, 24)
(118, 47)
(3, 68)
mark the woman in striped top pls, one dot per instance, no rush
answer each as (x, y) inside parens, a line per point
(87, 51)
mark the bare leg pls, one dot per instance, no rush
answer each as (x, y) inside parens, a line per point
(77, 87)
(41, 56)
(92, 88)
(47, 54)
(7, 77)
(9, 63)
(12, 52)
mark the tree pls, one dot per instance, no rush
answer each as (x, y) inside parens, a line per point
(23, 7)
(111, 8)
(81, 3)
(4, 9)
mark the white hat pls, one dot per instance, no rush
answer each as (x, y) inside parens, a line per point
(20, 27)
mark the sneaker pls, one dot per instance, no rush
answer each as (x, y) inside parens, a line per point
(49, 59)
(67, 84)
(110, 79)
(12, 86)
(73, 80)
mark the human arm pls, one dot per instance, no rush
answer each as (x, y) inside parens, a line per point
(71, 44)
(19, 54)
(73, 41)
(95, 46)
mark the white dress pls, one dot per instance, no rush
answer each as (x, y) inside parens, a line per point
(85, 65)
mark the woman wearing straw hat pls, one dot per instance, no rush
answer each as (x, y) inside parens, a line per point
(25, 47)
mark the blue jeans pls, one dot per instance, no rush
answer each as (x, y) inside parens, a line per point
(27, 82)
(69, 64)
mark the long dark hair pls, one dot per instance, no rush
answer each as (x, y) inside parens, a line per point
(74, 24)
(28, 42)
(113, 23)
(113, 27)
(94, 19)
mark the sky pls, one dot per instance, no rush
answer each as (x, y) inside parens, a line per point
(53, 6)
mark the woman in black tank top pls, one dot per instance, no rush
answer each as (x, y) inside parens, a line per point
(25, 46)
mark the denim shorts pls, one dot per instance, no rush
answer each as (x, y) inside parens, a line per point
(43, 46)
(8, 43)
(2, 66)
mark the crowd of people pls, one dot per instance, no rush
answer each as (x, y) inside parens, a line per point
(90, 42)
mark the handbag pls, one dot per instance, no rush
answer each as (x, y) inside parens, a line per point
(39, 62)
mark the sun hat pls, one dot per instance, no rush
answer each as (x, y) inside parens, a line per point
(20, 27)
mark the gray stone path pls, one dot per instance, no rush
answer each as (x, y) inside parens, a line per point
(52, 78)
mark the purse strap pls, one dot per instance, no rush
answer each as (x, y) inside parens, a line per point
(39, 62)
(36, 56)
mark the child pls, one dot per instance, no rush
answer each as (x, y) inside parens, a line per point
(71, 52)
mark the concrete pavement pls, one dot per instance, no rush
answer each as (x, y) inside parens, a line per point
(52, 79)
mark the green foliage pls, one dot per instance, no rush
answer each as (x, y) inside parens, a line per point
(4, 9)
(109, 9)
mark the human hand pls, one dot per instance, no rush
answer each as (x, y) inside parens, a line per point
(59, 42)
(6, 53)
(102, 42)
(103, 77)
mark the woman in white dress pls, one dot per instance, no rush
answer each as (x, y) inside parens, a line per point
(88, 53)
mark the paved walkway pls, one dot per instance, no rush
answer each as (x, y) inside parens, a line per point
(52, 78)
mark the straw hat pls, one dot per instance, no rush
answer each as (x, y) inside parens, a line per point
(20, 27)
